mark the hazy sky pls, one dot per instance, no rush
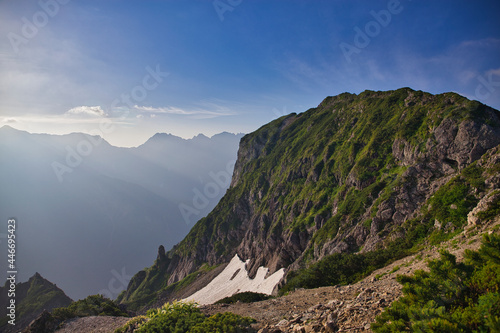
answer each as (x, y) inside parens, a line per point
(129, 69)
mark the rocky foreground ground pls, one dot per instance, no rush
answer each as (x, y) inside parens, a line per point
(328, 309)
(345, 308)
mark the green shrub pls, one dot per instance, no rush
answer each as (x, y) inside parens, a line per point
(176, 317)
(224, 323)
(474, 176)
(343, 268)
(451, 296)
(245, 297)
(180, 317)
(95, 305)
(452, 202)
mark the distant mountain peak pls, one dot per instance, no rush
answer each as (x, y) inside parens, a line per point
(164, 135)
(168, 137)
(32, 298)
(200, 137)
(225, 134)
(161, 137)
(10, 129)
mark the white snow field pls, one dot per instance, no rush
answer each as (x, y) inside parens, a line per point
(224, 284)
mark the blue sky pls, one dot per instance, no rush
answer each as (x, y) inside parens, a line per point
(128, 69)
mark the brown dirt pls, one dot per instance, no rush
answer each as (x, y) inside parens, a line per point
(100, 324)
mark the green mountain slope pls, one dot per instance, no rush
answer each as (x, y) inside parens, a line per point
(32, 297)
(355, 174)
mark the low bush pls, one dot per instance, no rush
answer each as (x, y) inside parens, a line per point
(224, 323)
(451, 296)
(95, 305)
(176, 317)
(343, 268)
(245, 297)
(180, 317)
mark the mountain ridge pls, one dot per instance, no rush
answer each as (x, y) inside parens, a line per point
(106, 194)
(32, 298)
(81, 135)
(352, 175)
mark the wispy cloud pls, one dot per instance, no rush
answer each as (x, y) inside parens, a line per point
(9, 120)
(167, 109)
(207, 109)
(61, 120)
(457, 65)
(485, 42)
(94, 111)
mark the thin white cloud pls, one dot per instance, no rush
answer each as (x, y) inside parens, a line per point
(63, 120)
(166, 110)
(94, 111)
(456, 67)
(215, 108)
(207, 109)
(485, 42)
(462, 68)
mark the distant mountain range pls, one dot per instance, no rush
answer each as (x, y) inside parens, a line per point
(89, 214)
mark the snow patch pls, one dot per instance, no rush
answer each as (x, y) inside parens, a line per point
(234, 279)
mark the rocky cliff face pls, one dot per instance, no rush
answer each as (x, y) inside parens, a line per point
(347, 176)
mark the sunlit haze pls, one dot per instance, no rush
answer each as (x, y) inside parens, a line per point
(128, 69)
